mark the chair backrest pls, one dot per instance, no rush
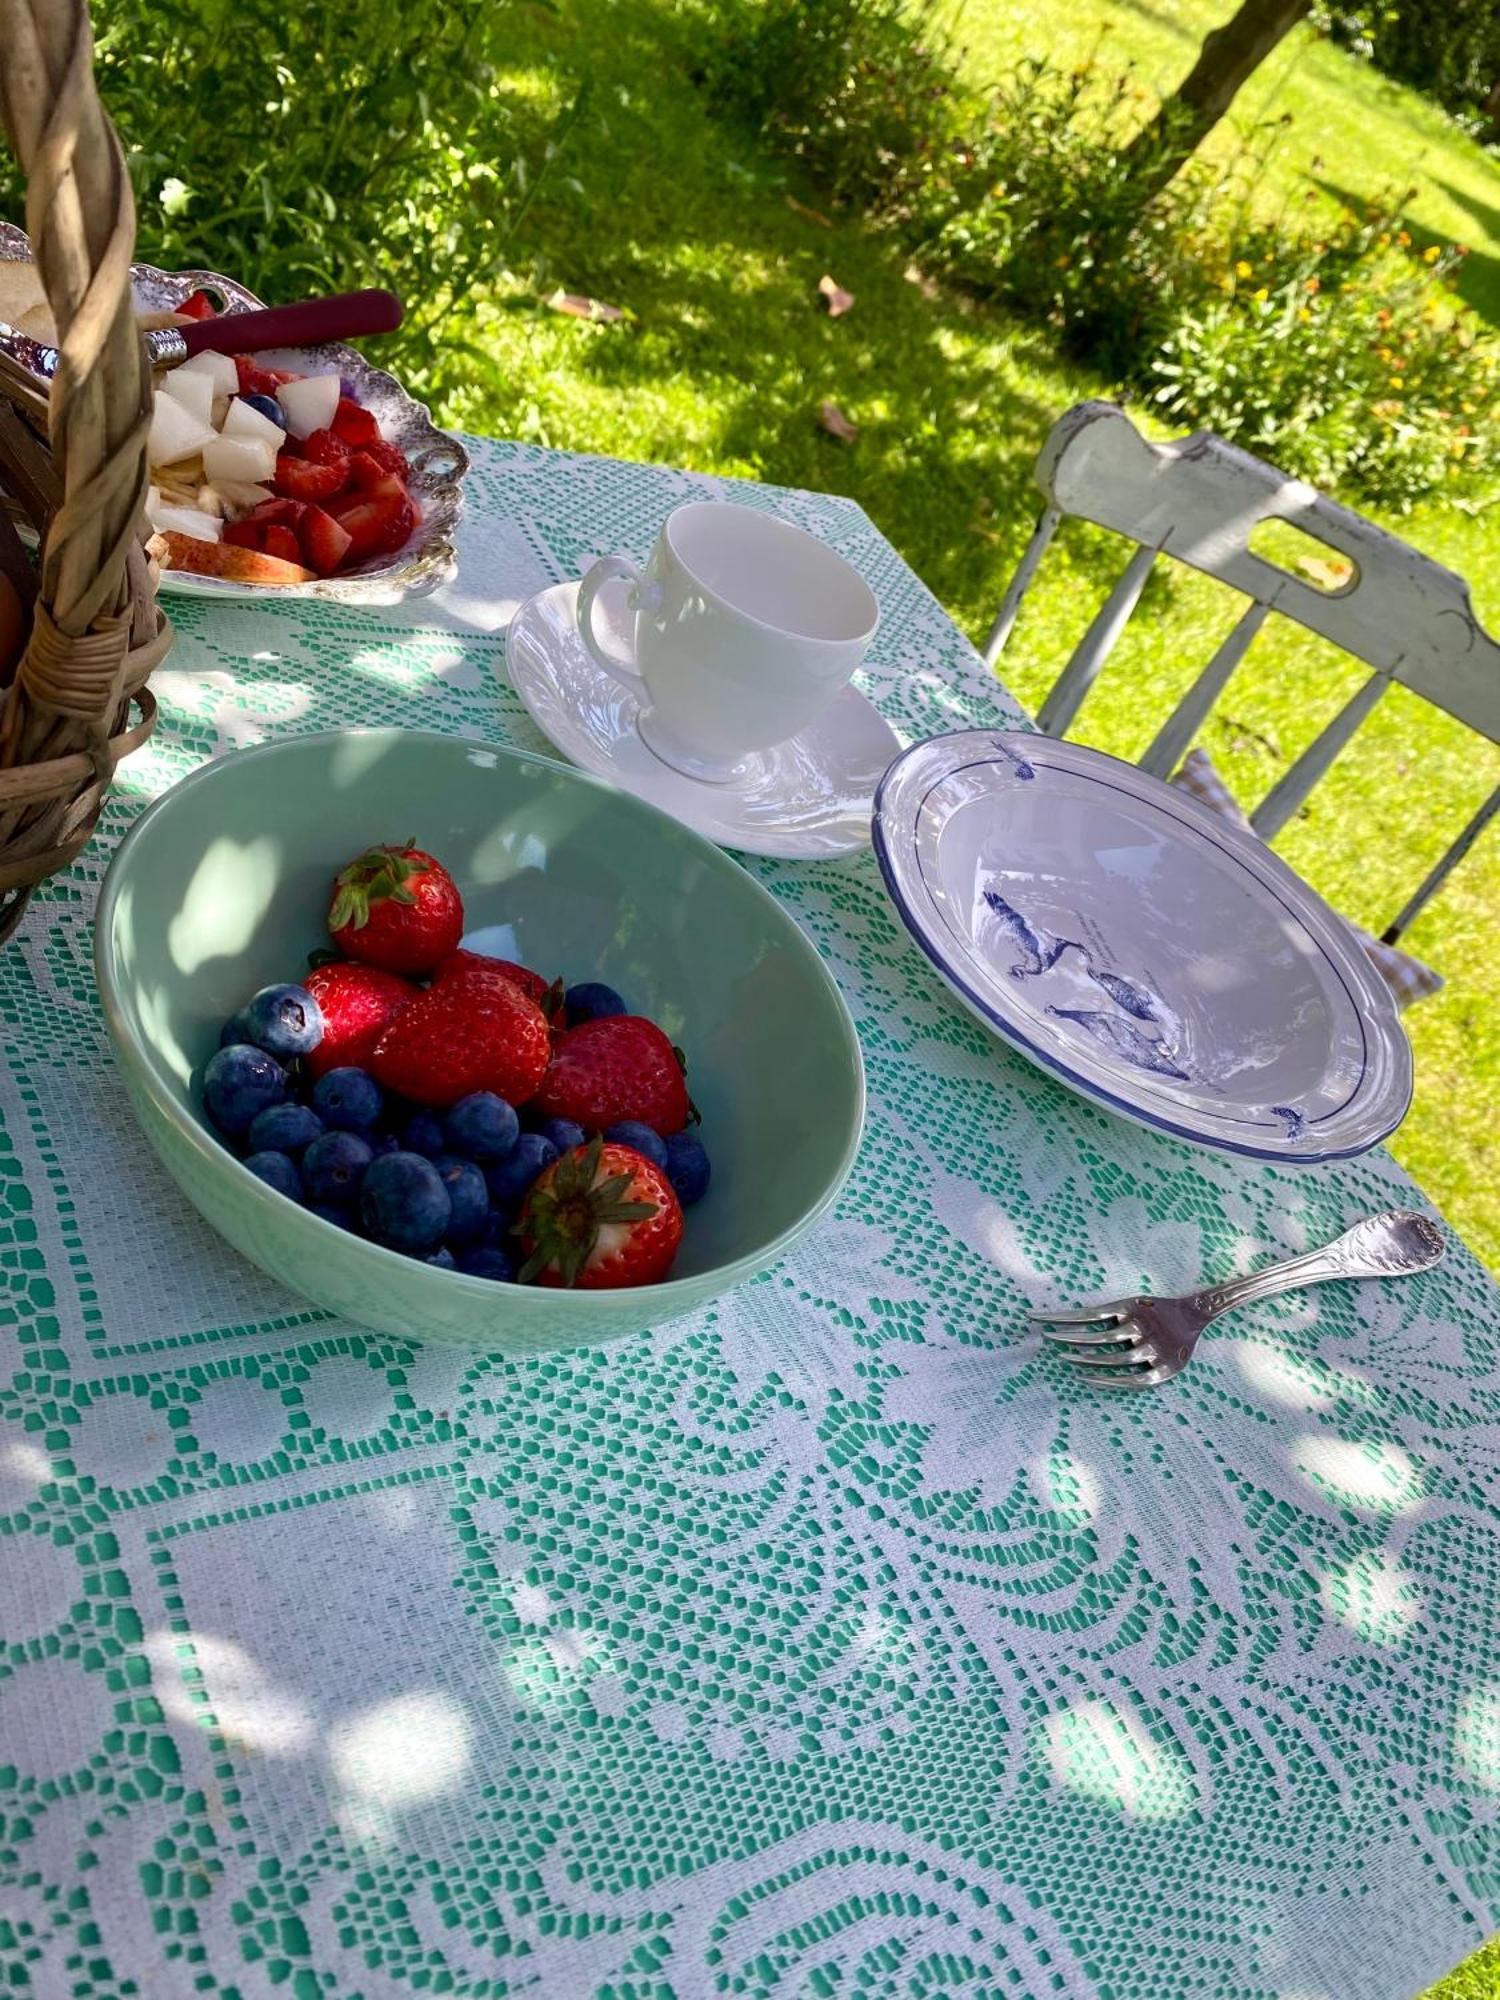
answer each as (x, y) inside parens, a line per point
(1200, 500)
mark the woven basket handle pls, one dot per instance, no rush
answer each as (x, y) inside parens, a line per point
(80, 215)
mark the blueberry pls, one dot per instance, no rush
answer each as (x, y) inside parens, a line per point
(482, 1127)
(348, 388)
(442, 1257)
(333, 1166)
(495, 1231)
(526, 1159)
(268, 407)
(383, 1143)
(468, 1197)
(403, 1202)
(341, 1218)
(423, 1133)
(285, 1128)
(487, 1263)
(592, 1001)
(563, 1133)
(687, 1167)
(234, 1030)
(285, 1021)
(239, 1083)
(277, 1171)
(347, 1100)
(631, 1132)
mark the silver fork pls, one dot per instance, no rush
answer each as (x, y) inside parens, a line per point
(1134, 1343)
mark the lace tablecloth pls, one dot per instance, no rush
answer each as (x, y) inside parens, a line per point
(830, 1643)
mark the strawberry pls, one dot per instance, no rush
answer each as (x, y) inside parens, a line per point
(287, 512)
(302, 479)
(279, 541)
(377, 520)
(198, 305)
(603, 1072)
(324, 542)
(246, 534)
(532, 984)
(355, 424)
(600, 1218)
(258, 381)
(397, 908)
(471, 1033)
(373, 461)
(357, 1002)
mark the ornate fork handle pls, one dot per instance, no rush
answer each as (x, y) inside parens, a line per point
(1382, 1246)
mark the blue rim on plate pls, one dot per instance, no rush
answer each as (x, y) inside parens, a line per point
(1184, 1031)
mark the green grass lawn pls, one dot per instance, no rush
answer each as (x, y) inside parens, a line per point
(665, 211)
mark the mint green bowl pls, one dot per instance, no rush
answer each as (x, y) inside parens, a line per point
(222, 887)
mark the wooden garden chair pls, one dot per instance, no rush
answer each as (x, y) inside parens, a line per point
(1200, 500)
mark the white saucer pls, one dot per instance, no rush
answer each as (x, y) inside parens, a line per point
(809, 799)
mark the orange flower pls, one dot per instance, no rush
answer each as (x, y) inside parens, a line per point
(1314, 285)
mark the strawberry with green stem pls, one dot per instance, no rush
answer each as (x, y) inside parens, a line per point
(601, 1218)
(398, 908)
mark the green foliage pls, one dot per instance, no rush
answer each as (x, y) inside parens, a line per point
(1447, 49)
(1343, 355)
(1036, 207)
(1342, 358)
(314, 149)
(858, 89)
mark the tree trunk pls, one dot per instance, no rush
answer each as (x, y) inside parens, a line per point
(1228, 58)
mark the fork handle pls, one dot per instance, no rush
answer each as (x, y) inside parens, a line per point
(1389, 1245)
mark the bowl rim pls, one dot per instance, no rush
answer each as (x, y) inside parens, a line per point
(660, 1301)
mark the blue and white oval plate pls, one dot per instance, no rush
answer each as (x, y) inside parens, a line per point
(1151, 956)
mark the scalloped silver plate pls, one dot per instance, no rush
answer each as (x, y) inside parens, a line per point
(438, 461)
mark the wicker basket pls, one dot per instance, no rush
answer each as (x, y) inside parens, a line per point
(72, 465)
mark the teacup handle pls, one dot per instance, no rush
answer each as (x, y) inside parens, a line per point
(607, 570)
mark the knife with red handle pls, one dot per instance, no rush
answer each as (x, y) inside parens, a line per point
(346, 316)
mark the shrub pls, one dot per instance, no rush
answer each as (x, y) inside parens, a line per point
(1341, 359)
(859, 89)
(310, 149)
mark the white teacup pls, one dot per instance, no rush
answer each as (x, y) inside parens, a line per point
(744, 630)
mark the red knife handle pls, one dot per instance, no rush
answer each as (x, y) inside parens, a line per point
(343, 317)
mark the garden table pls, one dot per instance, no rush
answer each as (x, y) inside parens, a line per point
(833, 1641)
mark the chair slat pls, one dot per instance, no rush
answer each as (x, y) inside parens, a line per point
(1283, 799)
(1176, 734)
(1444, 868)
(1020, 583)
(1095, 647)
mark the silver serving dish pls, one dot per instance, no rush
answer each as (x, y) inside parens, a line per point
(438, 461)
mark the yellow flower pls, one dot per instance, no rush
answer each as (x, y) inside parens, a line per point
(1403, 237)
(1244, 270)
(1261, 296)
(1431, 254)
(1396, 383)
(1303, 313)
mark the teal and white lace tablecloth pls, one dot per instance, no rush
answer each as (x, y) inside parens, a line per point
(831, 1643)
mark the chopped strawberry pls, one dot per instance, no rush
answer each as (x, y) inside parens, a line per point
(243, 534)
(198, 305)
(372, 462)
(324, 542)
(355, 424)
(288, 512)
(378, 520)
(255, 380)
(301, 479)
(279, 541)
